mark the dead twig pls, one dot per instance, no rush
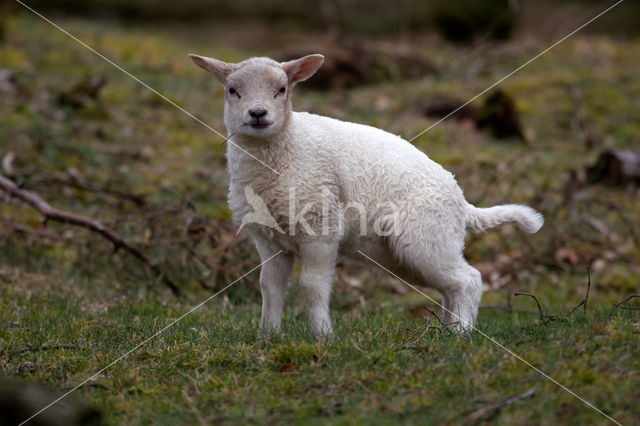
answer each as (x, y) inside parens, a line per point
(543, 318)
(522, 293)
(433, 314)
(621, 305)
(421, 331)
(52, 213)
(492, 409)
(583, 302)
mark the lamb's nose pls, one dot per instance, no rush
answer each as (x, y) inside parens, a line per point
(257, 112)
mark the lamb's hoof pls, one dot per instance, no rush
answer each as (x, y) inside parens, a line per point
(459, 328)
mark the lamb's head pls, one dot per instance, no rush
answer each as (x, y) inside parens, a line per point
(258, 91)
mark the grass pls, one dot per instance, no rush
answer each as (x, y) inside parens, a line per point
(379, 368)
(64, 286)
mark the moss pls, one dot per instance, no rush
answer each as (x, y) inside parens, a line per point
(13, 58)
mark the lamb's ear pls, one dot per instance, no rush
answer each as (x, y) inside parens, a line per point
(303, 68)
(219, 69)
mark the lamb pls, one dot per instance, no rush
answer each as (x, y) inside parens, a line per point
(342, 191)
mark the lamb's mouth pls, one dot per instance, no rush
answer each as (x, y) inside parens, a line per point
(260, 124)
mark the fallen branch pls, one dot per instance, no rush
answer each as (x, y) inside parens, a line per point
(52, 213)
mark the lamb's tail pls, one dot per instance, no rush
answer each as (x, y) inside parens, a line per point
(526, 218)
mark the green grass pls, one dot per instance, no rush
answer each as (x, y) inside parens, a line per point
(63, 286)
(380, 368)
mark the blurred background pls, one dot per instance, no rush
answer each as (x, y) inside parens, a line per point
(462, 21)
(562, 135)
(558, 135)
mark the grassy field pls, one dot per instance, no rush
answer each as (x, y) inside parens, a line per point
(156, 176)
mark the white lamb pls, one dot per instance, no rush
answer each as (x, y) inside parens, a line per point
(341, 190)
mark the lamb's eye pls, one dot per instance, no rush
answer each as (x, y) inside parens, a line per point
(283, 89)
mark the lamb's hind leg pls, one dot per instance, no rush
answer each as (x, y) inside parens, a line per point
(461, 287)
(443, 267)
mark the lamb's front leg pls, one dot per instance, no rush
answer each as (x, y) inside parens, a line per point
(318, 260)
(274, 280)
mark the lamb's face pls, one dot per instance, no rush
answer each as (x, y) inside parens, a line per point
(257, 99)
(258, 90)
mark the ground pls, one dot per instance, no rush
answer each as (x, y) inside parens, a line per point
(158, 177)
